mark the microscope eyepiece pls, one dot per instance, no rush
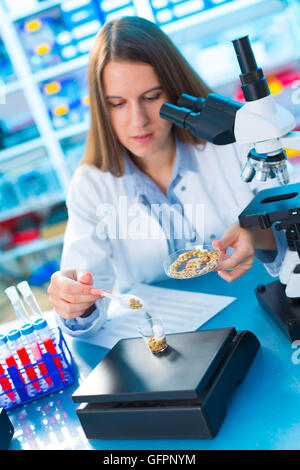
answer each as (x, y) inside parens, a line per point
(191, 102)
(244, 54)
(254, 84)
(174, 114)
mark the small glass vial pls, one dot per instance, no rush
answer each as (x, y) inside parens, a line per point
(153, 333)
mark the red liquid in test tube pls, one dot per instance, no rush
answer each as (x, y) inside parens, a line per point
(29, 335)
(15, 339)
(49, 345)
(5, 384)
(7, 355)
(37, 354)
(42, 330)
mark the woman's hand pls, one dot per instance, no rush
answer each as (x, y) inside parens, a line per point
(70, 292)
(243, 243)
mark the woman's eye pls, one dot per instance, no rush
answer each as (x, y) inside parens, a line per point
(115, 105)
(152, 98)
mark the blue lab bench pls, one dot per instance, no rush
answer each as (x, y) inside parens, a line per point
(263, 413)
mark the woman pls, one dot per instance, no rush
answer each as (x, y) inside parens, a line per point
(145, 188)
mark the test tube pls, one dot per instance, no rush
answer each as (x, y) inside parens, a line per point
(27, 331)
(29, 298)
(6, 385)
(4, 399)
(43, 332)
(17, 303)
(16, 342)
(8, 356)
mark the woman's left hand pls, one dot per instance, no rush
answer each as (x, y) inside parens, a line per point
(241, 260)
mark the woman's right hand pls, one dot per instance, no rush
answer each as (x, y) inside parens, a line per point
(69, 292)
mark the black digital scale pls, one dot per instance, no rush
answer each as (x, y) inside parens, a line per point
(182, 392)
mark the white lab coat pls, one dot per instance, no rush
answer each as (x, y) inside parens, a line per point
(212, 178)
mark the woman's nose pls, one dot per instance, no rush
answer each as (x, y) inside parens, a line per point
(139, 116)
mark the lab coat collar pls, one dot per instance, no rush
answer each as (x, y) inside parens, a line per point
(138, 184)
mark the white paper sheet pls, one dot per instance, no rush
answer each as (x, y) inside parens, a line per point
(179, 311)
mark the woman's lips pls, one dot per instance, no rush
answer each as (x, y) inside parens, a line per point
(143, 138)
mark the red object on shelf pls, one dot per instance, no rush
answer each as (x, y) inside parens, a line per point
(25, 229)
(288, 77)
(13, 222)
(25, 236)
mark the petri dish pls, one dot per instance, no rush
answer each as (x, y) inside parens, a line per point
(192, 262)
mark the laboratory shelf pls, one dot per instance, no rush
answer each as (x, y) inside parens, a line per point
(16, 150)
(71, 131)
(61, 69)
(30, 248)
(213, 20)
(11, 87)
(45, 5)
(35, 205)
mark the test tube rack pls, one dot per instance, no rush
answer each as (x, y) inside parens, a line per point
(60, 379)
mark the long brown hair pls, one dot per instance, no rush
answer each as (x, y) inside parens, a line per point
(133, 39)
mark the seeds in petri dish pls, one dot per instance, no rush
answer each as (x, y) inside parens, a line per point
(196, 262)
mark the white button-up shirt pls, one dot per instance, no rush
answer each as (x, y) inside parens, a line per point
(120, 228)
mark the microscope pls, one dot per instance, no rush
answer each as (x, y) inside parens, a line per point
(268, 128)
